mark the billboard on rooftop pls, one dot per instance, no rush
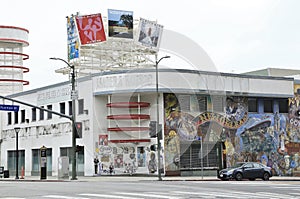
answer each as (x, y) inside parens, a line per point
(90, 29)
(120, 23)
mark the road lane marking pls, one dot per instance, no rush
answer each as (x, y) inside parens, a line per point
(63, 197)
(100, 195)
(149, 195)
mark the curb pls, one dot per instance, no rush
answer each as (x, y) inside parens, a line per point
(137, 178)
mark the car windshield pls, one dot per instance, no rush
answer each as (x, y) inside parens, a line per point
(238, 164)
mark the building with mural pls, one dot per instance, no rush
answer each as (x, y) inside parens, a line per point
(208, 120)
(235, 117)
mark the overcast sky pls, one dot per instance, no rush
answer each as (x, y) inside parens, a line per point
(238, 35)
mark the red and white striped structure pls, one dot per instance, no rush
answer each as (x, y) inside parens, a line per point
(12, 41)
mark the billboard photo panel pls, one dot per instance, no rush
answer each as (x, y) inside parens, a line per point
(149, 33)
(120, 23)
(90, 28)
(73, 40)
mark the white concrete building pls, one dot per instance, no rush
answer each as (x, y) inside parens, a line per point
(115, 109)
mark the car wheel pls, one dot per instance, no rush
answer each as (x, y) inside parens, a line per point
(266, 176)
(239, 176)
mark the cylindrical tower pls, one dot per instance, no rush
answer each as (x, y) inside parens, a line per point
(12, 41)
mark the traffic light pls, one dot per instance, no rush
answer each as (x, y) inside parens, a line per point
(78, 129)
(152, 129)
(79, 148)
(160, 131)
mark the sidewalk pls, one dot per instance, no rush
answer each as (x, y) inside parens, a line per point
(136, 178)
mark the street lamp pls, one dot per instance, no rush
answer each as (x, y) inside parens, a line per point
(157, 115)
(17, 129)
(74, 175)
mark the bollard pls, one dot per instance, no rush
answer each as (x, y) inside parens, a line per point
(22, 172)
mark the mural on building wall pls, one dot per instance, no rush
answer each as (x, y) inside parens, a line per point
(272, 139)
(173, 123)
(141, 157)
(103, 140)
(152, 163)
(294, 119)
(55, 130)
(122, 156)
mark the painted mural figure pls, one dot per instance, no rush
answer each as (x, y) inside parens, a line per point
(173, 121)
(282, 149)
(269, 138)
(100, 166)
(152, 164)
(141, 158)
(231, 108)
(172, 154)
(277, 122)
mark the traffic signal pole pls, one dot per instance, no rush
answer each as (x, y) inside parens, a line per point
(157, 116)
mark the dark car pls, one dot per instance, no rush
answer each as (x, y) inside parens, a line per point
(246, 170)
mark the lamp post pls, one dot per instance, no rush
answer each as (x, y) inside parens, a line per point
(74, 175)
(17, 129)
(157, 115)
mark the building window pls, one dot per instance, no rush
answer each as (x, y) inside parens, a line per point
(252, 105)
(62, 107)
(80, 106)
(49, 114)
(8, 118)
(185, 102)
(36, 155)
(218, 103)
(268, 106)
(33, 114)
(16, 117)
(202, 103)
(35, 161)
(70, 108)
(22, 116)
(283, 105)
(42, 113)
(11, 160)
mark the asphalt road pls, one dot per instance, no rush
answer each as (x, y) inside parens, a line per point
(149, 189)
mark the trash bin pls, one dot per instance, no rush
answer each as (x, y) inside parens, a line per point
(6, 174)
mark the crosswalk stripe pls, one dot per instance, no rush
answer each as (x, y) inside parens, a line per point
(209, 194)
(205, 194)
(62, 197)
(229, 194)
(275, 195)
(148, 195)
(107, 196)
(12, 198)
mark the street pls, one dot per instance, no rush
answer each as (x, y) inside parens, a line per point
(149, 189)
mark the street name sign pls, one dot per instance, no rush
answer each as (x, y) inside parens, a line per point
(4, 107)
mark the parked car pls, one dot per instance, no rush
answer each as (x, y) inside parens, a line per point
(246, 170)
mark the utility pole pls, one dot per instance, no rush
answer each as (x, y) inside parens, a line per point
(73, 97)
(157, 117)
(17, 129)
